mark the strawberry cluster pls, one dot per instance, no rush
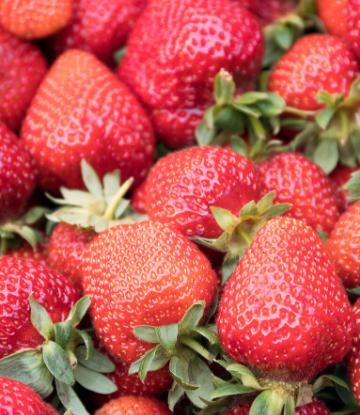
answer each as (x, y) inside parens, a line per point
(179, 207)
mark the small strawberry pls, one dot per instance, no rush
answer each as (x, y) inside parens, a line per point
(26, 251)
(173, 75)
(22, 68)
(300, 182)
(17, 398)
(352, 359)
(182, 187)
(339, 177)
(92, 116)
(34, 19)
(138, 198)
(132, 405)
(334, 14)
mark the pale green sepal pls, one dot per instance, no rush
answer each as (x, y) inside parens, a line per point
(69, 398)
(94, 381)
(218, 382)
(88, 343)
(265, 202)
(289, 408)
(276, 210)
(58, 363)
(249, 210)
(63, 333)
(210, 335)
(146, 333)
(261, 403)
(353, 185)
(252, 97)
(335, 380)
(121, 208)
(324, 117)
(228, 269)
(224, 87)
(230, 390)
(239, 146)
(77, 198)
(68, 412)
(204, 135)
(245, 374)
(225, 219)
(274, 105)
(79, 310)
(167, 336)
(326, 155)
(175, 394)
(111, 183)
(220, 243)
(28, 234)
(34, 214)
(179, 369)
(200, 374)
(322, 235)
(99, 363)
(346, 394)
(276, 404)
(192, 317)
(91, 180)
(213, 307)
(355, 291)
(146, 363)
(41, 320)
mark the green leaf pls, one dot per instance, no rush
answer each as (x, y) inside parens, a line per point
(146, 363)
(322, 235)
(41, 320)
(121, 208)
(289, 408)
(224, 87)
(265, 202)
(249, 210)
(353, 185)
(27, 233)
(327, 155)
(204, 135)
(283, 36)
(261, 403)
(57, 361)
(94, 381)
(217, 382)
(252, 97)
(34, 214)
(179, 368)
(91, 180)
(355, 291)
(192, 317)
(228, 268)
(247, 377)
(69, 398)
(99, 363)
(146, 333)
(304, 136)
(213, 307)
(324, 117)
(200, 374)
(225, 219)
(88, 343)
(230, 120)
(79, 310)
(247, 109)
(240, 147)
(212, 337)
(273, 106)
(119, 55)
(111, 183)
(230, 390)
(168, 335)
(355, 141)
(276, 210)
(175, 394)
(345, 393)
(63, 333)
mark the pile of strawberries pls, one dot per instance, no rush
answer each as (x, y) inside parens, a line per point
(180, 207)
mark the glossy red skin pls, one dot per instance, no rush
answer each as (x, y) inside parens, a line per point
(334, 13)
(97, 26)
(315, 63)
(156, 382)
(339, 177)
(182, 187)
(353, 26)
(66, 248)
(146, 273)
(34, 19)
(26, 251)
(173, 75)
(22, 68)
(134, 405)
(343, 246)
(81, 110)
(18, 279)
(352, 359)
(138, 198)
(17, 398)
(284, 312)
(300, 182)
(17, 176)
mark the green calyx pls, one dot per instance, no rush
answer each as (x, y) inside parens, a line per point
(67, 355)
(179, 345)
(101, 208)
(253, 113)
(240, 231)
(353, 186)
(23, 228)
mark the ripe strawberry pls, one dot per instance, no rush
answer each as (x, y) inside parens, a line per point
(17, 176)
(173, 75)
(339, 177)
(284, 312)
(299, 181)
(343, 247)
(334, 13)
(98, 26)
(82, 111)
(30, 19)
(22, 68)
(17, 398)
(352, 359)
(182, 187)
(353, 17)
(146, 273)
(132, 405)
(138, 198)
(26, 251)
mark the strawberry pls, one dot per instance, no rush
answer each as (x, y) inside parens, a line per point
(352, 359)
(22, 68)
(98, 26)
(182, 187)
(157, 267)
(26, 251)
(339, 177)
(138, 198)
(192, 42)
(284, 312)
(353, 35)
(17, 398)
(300, 182)
(132, 405)
(92, 116)
(343, 247)
(17, 176)
(334, 13)
(34, 19)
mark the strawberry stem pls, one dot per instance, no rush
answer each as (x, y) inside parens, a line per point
(109, 212)
(344, 126)
(197, 347)
(240, 231)
(3, 246)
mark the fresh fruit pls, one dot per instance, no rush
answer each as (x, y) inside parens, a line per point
(132, 405)
(334, 14)
(182, 187)
(173, 74)
(26, 251)
(339, 177)
(34, 19)
(22, 68)
(352, 359)
(138, 198)
(97, 26)
(17, 398)
(300, 182)
(284, 312)
(82, 111)
(17, 176)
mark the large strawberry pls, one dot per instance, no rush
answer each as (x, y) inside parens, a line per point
(173, 74)
(82, 111)
(98, 26)
(132, 405)
(22, 68)
(353, 357)
(34, 19)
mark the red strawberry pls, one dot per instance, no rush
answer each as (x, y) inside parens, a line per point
(299, 181)
(284, 312)
(98, 26)
(82, 111)
(132, 405)
(34, 19)
(334, 13)
(173, 75)
(22, 68)
(17, 398)
(146, 273)
(138, 198)
(18, 279)
(182, 187)
(353, 26)
(17, 176)
(26, 251)
(352, 359)
(339, 177)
